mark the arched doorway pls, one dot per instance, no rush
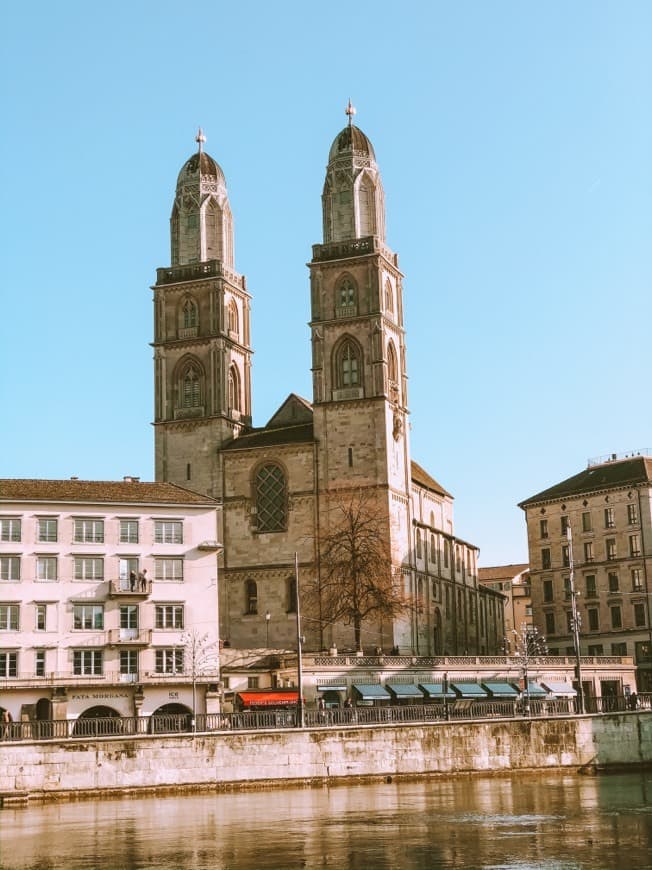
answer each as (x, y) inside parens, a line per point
(170, 717)
(98, 721)
(43, 714)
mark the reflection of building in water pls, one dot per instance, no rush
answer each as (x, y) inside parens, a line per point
(77, 639)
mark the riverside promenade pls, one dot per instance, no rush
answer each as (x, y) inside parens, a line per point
(76, 768)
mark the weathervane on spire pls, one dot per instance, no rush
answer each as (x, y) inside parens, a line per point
(350, 111)
(200, 139)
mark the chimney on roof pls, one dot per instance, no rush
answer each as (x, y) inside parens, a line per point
(129, 479)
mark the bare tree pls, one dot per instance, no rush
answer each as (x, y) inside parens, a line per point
(356, 581)
(528, 645)
(201, 658)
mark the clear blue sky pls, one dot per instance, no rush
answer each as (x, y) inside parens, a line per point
(514, 141)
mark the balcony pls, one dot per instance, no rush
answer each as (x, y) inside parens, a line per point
(122, 589)
(66, 679)
(131, 637)
(197, 272)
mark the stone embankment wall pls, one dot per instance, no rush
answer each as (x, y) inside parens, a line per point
(78, 768)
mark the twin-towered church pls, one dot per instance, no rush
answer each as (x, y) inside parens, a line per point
(275, 483)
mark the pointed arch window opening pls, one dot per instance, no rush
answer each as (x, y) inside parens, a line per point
(349, 365)
(251, 597)
(190, 317)
(271, 499)
(234, 392)
(191, 388)
(392, 373)
(233, 319)
(346, 299)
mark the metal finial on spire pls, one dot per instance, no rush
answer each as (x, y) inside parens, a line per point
(350, 111)
(200, 139)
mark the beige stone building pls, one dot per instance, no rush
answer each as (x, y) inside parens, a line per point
(103, 586)
(513, 582)
(607, 508)
(277, 484)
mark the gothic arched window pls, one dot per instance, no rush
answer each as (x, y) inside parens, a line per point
(271, 498)
(251, 596)
(389, 298)
(189, 314)
(234, 389)
(292, 594)
(191, 387)
(346, 293)
(232, 318)
(392, 364)
(433, 549)
(419, 549)
(348, 363)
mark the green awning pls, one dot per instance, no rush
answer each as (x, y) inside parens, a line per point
(372, 692)
(499, 689)
(469, 690)
(405, 690)
(535, 691)
(436, 691)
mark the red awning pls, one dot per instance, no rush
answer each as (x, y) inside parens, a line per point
(268, 699)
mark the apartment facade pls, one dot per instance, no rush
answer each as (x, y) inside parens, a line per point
(513, 582)
(590, 537)
(108, 599)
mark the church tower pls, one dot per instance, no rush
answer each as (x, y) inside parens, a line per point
(202, 339)
(358, 340)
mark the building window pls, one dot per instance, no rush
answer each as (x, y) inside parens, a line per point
(251, 597)
(88, 617)
(168, 570)
(271, 499)
(594, 619)
(634, 546)
(632, 514)
(169, 616)
(10, 569)
(232, 317)
(128, 662)
(88, 662)
(89, 568)
(639, 614)
(547, 590)
(129, 616)
(168, 532)
(41, 617)
(189, 314)
(10, 529)
(253, 682)
(591, 591)
(614, 585)
(346, 293)
(565, 556)
(9, 617)
(128, 531)
(446, 553)
(588, 551)
(637, 580)
(39, 663)
(569, 620)
(47, 530)
(545, 558)
(567, 588)
(191, 387)
(292, 595)
(419, 547)
(609, 518)
(616, 617)
(543, 528)
(89, 531)
(433, 549)
(46, 568)
(392, 365)
(169, 661)
(550, 623)
(234, 389)
(587, 525)
(348, 367)
(389, 298)
(595, 649)
(8, 664)
(619, 649)
(610, 547)
(564, 525)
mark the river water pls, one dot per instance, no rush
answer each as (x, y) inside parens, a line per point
(549, 820)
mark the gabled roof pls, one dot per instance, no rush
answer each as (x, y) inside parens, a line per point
(421, 477)
(264, 437)
(125, 492)
(502, 572)
(595, 478)
(294, 410)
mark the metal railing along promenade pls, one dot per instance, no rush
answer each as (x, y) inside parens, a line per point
(340, 717)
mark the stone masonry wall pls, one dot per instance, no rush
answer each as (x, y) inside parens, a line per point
(83, 768)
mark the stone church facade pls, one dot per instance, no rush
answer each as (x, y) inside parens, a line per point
(278, 484)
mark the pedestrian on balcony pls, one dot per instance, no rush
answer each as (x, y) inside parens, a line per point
(7, 719)
(142, 580)
(132, 581)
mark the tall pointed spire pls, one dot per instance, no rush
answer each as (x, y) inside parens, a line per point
(200, 139)
(350, 111)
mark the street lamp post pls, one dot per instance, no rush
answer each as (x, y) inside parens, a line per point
(268, 616)
(575, 620)
(300, 717)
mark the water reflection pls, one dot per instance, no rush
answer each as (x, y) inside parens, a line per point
(543, 821)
